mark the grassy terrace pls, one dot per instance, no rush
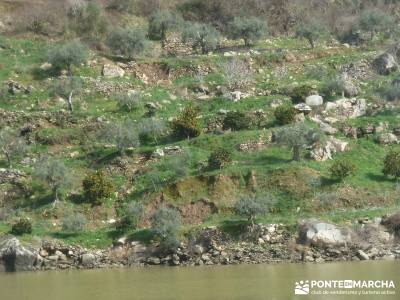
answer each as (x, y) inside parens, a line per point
(302, 189)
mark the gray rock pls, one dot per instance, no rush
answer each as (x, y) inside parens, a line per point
(327, 129)
(385, 64)
(318, 233)
(387, 139)
(303, 108)
(362, 255)
(88, 259)
(314, 100)
(153, 261)
(112, 71)
(15, 257)
(198, 249)
(349, 89)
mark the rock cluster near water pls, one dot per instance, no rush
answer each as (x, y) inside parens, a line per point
(315, 241)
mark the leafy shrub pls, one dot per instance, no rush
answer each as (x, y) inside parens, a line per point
(374, 21)
(285, 114)
(97, 187)
(299, 93)
(236, 120)
(391, 93)
(128, 42)
(311, 31)
(251, 207)
(165, 223)
(151, 129)
(186, 125)
(67, 55)
(22, 226)
(123, 134)
(122, 5)
(88, 20)
(237, 73)
(203, 36)
(249, 29)
(161, 22)
(132, 215)
(128, 101)
(74, 223)
(342, 168)
(391, 164)
(219, 158)
(333, 86)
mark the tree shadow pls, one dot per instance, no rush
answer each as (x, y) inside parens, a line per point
(144, 236)
(327, 181)
(39, 74)
(234, 228)
(271, 160)
(380, 178)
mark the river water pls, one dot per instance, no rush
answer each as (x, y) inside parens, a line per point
(247, 282)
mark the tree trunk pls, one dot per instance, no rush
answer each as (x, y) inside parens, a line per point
(296, 153)
(8, 159)
(69, 101)
(311, 43)
(56, 200)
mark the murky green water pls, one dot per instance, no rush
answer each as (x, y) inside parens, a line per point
(248, 282)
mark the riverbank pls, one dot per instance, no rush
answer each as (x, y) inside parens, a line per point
(314, 241)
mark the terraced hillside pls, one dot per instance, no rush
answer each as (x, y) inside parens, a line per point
(233, 94)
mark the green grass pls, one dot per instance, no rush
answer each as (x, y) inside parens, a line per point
(20, 61)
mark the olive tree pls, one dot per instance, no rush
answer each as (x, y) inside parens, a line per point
(296, 137)
(249, 29)
(251, 207)
(67, 55)
(123, 134)
(11, 144)
(161, 22)
(67, 89)
(165, 223)
(375, 21)
(311, 31)
(55, 174)
(128, 42)
(151, 129)
(203, 36)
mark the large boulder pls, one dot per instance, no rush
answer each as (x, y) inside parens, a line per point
(321, 234)
(350, 89)
(112, 71)
(14, 256)
(314, 100)
(323, 152)
(346, 108)
(385, 64)
(387, 139)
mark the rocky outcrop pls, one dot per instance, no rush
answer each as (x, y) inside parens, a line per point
(346, 108)
(325, 151)
(14, 256)
(315, 241)
(322, 234)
